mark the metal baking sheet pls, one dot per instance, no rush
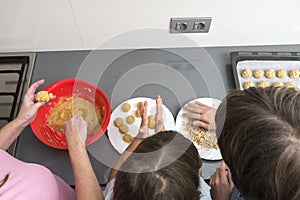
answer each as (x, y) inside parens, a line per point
(264, 60)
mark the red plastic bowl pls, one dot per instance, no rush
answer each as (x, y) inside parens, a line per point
(63, 89)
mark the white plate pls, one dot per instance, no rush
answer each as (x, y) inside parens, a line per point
(116, 138)
(208, 154)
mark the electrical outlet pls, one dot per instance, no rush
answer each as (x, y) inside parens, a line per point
(181, 26)
(190, 25)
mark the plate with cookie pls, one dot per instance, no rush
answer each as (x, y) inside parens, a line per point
(126, 119)
(204, 140)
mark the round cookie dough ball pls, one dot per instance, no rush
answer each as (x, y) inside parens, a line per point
(246, 73)
(290, 84)
(278, 84)
(248, 84)
(123, 128)
(281, 73)
(262, 84)
(151, 122)
(118, 122)
(140, 104)
(127, 138)
(270, 73)
(138, 113)
(259, 73)
(126, 107)
(294, 73)
(130, 119)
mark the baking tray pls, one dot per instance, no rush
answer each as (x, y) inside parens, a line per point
(272, 59)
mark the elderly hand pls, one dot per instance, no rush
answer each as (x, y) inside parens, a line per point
(29, 106)
(201, 114)
(76, 130)
(221, 183)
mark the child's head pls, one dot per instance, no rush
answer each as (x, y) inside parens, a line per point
(163, 166)
(260, 141)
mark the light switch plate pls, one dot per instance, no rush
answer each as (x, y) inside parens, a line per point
(190, 25)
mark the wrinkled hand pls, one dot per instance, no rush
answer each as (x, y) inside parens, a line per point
(221, 183)
(201, 114)
(76, 130)
(159, 122)
(29, 106)
(143, 130)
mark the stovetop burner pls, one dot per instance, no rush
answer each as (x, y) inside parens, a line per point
(15, 75)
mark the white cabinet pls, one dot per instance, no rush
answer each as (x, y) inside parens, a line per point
(35, 25)
(40, 25)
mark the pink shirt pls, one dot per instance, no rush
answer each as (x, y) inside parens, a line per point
(31, 181)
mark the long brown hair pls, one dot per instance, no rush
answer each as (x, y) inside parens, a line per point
(3, 181)
(165, 167)
(260, 141)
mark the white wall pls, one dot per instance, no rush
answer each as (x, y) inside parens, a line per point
(41, 25)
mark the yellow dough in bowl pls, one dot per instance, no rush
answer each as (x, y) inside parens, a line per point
(65, 108)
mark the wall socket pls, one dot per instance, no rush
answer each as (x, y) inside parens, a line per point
(190, 25)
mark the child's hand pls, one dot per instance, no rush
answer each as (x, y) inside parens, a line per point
(201, 114)
(221, 183)
(159, 122)
(143, 130)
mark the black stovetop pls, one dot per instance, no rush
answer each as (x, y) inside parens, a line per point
(15, 74)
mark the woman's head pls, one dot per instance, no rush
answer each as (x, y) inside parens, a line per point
(259, 137)
(163, 166)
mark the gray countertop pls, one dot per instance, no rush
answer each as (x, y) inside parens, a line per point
(178, 75)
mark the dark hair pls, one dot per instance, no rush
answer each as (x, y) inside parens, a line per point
(3, 181)
(163, 166)
(259, 137)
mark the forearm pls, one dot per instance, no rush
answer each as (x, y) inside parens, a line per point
(10, 132)
(86, 183)
(132, 146)
(142, 133)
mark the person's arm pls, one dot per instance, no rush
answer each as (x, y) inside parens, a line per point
(159, 122)
(86, 183)
(143, 133)
(201, 114)
(26, 115)
(221, 183)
